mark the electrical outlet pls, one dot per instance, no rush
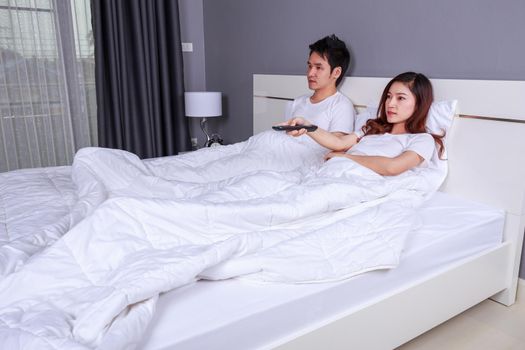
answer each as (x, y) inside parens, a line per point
(194, 142)
(187, 47)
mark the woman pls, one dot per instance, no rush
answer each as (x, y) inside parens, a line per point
(396, 140)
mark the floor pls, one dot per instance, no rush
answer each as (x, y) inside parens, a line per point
(488, 325)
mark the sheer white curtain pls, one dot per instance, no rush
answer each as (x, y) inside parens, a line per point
(47, 85)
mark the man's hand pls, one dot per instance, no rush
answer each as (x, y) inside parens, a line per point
(297, 121)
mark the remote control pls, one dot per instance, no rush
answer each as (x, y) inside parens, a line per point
(308, 128)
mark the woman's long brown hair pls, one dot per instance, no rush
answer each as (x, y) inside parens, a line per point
(421, 87)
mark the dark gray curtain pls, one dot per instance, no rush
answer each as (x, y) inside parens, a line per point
(139, 77)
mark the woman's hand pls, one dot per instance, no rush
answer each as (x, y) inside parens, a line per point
(331, 155)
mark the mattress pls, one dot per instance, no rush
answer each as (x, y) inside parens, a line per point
(238, 314)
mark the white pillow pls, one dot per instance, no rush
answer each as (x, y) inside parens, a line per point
(439, 118)
(361, 118)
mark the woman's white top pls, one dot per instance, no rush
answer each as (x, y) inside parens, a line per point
(390, 145)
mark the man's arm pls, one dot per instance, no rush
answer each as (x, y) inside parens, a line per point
(342, 115)
(337, 141)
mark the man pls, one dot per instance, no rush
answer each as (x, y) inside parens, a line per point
(326, 107)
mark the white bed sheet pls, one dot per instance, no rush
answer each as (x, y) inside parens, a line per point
(236, 314)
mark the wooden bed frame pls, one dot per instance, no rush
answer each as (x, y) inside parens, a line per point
(486, 147)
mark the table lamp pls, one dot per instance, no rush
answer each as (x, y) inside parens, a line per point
(204, 104)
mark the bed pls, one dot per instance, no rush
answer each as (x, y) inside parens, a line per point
(440, 275)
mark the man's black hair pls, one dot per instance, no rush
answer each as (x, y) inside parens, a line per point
(335, 52)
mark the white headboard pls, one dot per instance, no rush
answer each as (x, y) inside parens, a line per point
(486, 145)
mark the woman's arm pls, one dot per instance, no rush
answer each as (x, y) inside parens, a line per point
(384, 165)
(335, 141)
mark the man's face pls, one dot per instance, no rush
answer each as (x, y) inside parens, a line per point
(318, 73)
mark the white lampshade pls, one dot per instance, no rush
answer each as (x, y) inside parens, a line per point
(203, 104)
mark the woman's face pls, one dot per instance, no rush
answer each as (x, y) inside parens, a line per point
(400, 103)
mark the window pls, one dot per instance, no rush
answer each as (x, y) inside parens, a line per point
(47, 83)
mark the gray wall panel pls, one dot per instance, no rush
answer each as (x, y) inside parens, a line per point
(192, 31)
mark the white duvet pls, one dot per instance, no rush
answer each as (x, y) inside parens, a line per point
(268, 209)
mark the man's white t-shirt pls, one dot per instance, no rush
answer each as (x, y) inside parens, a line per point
(334, 113)
(389, 145)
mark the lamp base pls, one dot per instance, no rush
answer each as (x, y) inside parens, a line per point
(203, 128)
(215, 140)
